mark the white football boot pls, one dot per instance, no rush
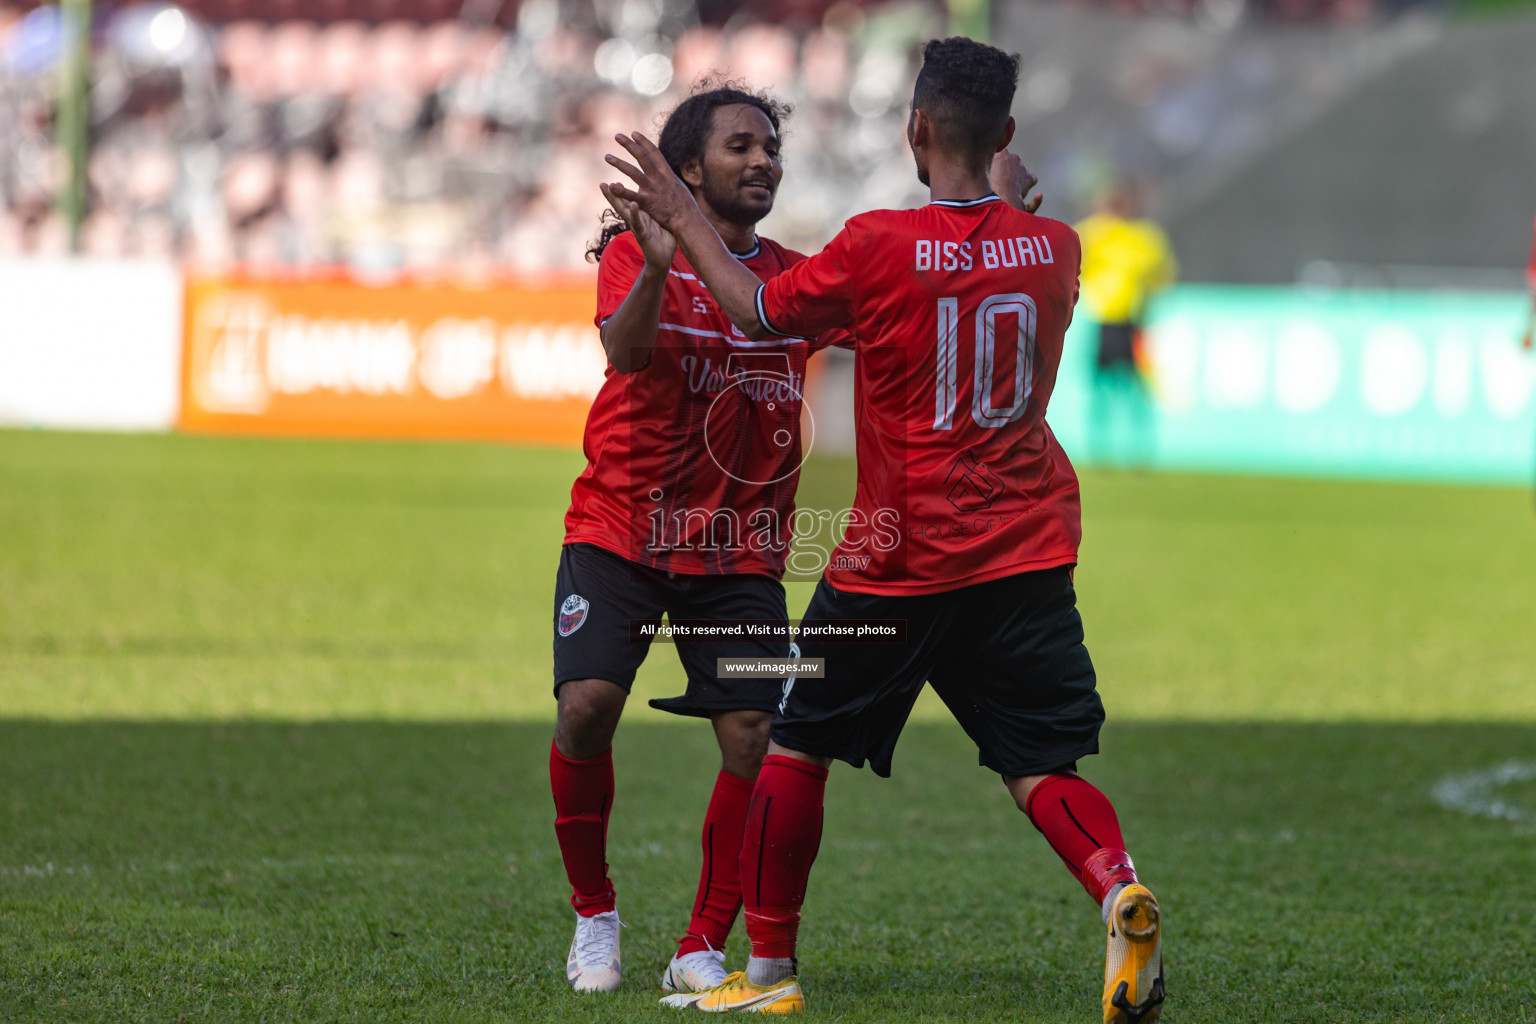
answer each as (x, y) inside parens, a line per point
(593, 963)
(694, 972)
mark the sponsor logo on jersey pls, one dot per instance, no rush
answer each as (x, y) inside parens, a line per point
(974, 486)
(572, 614)
(709, 377)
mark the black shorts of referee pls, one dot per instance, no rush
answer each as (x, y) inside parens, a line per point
(1117, 347)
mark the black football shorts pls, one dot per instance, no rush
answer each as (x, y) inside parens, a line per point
(597, 596)
(1006, 656)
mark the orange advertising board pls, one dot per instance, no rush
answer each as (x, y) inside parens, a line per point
(336, 358)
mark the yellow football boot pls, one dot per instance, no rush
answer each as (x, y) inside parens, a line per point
(738, 995)
(1133, 960)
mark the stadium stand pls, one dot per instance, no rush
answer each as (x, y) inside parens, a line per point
(418, 145)
(434, 137)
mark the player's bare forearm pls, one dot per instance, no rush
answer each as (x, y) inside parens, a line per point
(666, 200)
(630, 333)
(732, 285)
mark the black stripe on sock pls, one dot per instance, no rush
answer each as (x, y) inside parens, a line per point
(1070, 866)
(762, 833)
(709, 869)
(1095, 842)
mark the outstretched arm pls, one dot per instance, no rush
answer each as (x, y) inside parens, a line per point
(660, 194)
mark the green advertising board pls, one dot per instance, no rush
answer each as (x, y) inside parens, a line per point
(1398, 385)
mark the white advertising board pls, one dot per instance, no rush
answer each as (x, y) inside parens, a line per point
(90, 344)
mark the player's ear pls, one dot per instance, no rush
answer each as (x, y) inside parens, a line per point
(693, 173)
(1008, 129)
(917, 129)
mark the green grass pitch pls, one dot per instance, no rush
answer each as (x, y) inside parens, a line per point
(274, 719)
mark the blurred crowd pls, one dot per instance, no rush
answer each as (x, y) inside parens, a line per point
(447, 147)
(466, 138)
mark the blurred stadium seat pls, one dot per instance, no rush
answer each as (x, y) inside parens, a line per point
(442, 137)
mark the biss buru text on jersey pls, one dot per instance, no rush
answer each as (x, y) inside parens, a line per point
(1021, 251)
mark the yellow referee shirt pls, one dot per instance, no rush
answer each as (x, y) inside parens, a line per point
(1124, 261)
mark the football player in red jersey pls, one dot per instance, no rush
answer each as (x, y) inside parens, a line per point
(684, 508)
(958, 312)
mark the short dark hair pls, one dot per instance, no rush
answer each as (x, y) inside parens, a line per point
(966, 89)
(682, 138)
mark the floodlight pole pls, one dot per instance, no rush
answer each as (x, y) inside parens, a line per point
(74, 113)
(971, 18)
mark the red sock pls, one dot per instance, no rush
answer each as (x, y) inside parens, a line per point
(778, 847)
(1080, 824)
(583, 796)
(719, 898)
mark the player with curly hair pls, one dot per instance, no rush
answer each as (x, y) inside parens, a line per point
(684, 509)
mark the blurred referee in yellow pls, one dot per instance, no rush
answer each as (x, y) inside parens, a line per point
(1126, 258)
(1528, 339)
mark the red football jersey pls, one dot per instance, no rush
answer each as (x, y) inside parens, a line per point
(692, 461)
(958, 312)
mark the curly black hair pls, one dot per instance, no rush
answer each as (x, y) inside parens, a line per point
(682, 139)
(966, 89)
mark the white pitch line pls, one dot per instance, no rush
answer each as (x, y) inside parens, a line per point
(1473, 792)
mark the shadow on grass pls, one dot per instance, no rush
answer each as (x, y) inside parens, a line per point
(362, 870)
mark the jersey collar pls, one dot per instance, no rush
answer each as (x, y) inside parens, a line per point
(757, 247)
(990, 197)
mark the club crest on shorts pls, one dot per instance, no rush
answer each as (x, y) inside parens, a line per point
(572, 614)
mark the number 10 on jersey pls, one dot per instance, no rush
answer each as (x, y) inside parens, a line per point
(947, 381)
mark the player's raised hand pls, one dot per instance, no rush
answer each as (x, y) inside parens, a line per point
(658, 244)
(1011, 180)
(657, 191)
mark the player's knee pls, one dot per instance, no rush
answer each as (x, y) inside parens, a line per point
(1021, 786)
(589, 711)
(743, 737)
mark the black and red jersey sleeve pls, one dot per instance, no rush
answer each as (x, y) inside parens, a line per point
(814, 296)
(617, 271)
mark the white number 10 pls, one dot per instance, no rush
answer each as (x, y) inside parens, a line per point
(947, 384)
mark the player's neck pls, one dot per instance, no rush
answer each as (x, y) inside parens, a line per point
(737, 238)
(954, 182)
